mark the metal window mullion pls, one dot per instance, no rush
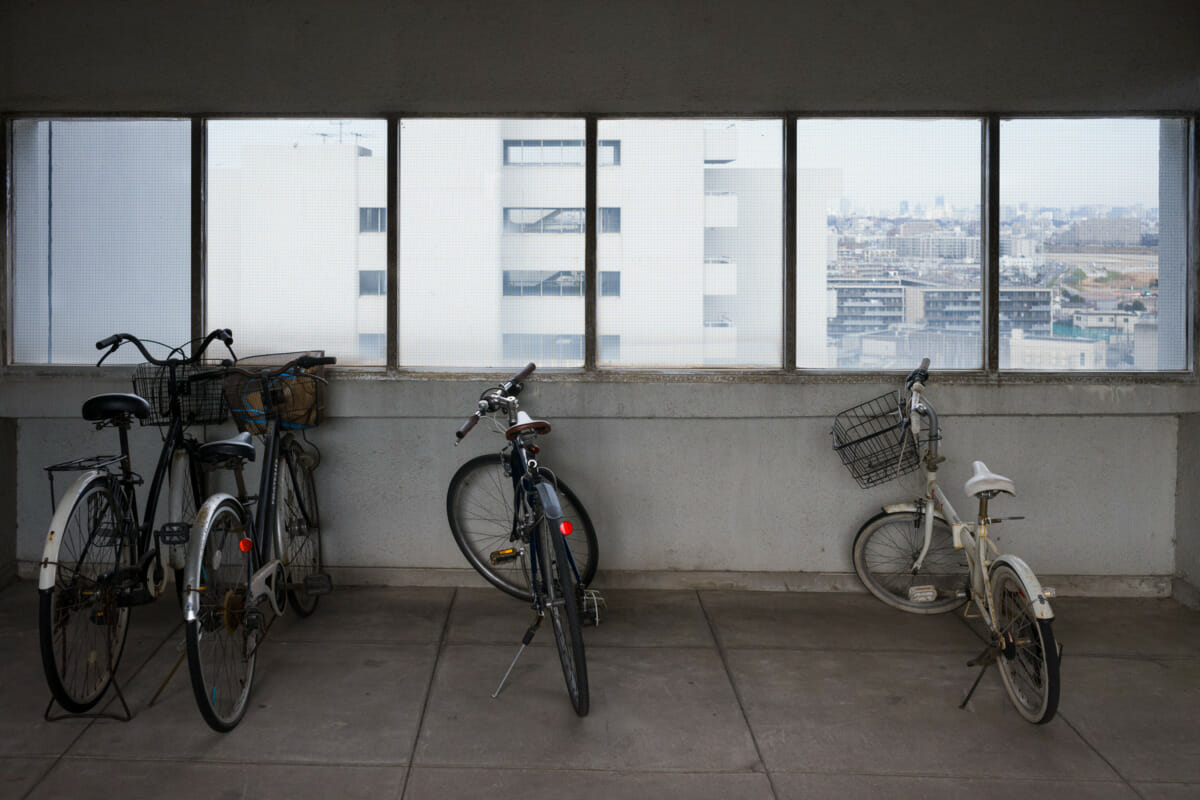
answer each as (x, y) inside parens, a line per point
(591, 346)
(1193, 240)
(990, 230)
(790, 245)
(199, 184)
(393, 242)
(5, 254)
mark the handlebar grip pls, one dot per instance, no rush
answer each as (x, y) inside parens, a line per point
(523, 374)
(226, 336)
(109, 342)
(924, 365)
(466, 426)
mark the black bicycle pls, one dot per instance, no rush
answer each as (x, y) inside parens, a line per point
(520, 508)
(254, 556)
(99, 561)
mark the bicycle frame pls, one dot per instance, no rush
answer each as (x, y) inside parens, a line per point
(971, 538)
(539, 495)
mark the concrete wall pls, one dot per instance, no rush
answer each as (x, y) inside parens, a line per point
(731, 481)
(1187, 521)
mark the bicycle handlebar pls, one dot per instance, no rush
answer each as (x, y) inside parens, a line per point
(510, 388)
(113, 342)
(267, 372)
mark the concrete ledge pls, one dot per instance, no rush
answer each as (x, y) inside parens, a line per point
(1185, 593)
(1065, 585)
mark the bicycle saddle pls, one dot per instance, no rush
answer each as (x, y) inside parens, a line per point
(239, 446)
(984, 480)
(107, 406)
(526, 424)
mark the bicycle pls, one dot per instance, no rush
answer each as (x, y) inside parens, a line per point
(921, 557)
(543, 532)
(99, 561)
(253, 557)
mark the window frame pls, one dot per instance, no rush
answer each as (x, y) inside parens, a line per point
(990, 373)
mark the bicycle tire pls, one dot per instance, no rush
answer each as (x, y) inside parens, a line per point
(221, 641)
(884, 551)
(299, 542)
(1029, 663)
(80, 624)
(561, 600)
(479, 506)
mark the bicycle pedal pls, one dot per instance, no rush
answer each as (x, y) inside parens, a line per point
(922, 594)
(175, 533)
(321, 583)
(504, 556)
(591, 601)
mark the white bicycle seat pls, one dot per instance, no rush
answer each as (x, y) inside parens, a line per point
(984, 480)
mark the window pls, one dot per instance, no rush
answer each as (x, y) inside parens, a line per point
(557, 152)
(372, 220)
(372, 282)
(287, 200)
(101, 236)
(1093, 221)
(558, 220)
(372, 347)
(888, 228)
(459, 270)
(671, 297)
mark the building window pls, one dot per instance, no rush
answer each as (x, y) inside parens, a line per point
(372, 220)
(610, 220)
(558, 220)
(544, 349)
(372, 348)
(557, 152)
(100, 236)
(372, 282)
(563, 283)
(610, 284)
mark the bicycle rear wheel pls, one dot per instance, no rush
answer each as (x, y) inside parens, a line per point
(1029, 662)
(561, 601)
(479, 505)
(223, 638)
(81, 626)
(885, 550)
(299, 524)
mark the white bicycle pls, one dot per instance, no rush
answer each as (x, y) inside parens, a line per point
(920, 556)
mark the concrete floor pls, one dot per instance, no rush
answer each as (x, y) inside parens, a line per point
(384, 693)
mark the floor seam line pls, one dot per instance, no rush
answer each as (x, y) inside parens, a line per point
(737, 695)
(437, 660)
(1101, 756)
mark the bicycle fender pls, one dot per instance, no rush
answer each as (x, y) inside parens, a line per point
(48, 571)
(191, 597)
(1041, 606)
(550, 504)
(899, 508)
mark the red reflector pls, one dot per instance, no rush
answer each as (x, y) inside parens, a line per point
(566, 527)
(245, 545)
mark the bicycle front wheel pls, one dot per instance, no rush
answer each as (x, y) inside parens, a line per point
(1029, 661)
(887, 547)
(483, 520)
(223, 638)
(299, 524)
(561, 601)
(81, 625)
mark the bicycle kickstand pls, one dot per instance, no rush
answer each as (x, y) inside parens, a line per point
(524, 643)
(983, 661)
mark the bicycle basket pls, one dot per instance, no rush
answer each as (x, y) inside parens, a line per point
(200, 402)
(296, 398)
(873, 442)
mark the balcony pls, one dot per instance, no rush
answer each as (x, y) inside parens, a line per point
(720, 145)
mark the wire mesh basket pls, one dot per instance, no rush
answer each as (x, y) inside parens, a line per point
(201, 402)
(873, 441)
(296, 397)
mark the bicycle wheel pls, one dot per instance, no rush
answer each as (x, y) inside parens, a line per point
(298, 524)
(81, 626)
(193, 491)
(1029, 662)
(223, 638)
(884, 552)
(561, 603)
(479, 505)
